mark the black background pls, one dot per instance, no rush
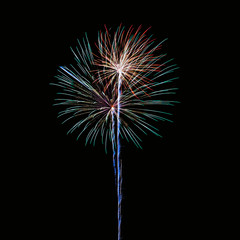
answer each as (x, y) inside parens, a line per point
(62, 189)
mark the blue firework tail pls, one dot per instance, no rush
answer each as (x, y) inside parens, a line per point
(114, 146)
(119, 163)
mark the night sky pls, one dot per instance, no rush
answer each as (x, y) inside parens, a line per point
(66, 189)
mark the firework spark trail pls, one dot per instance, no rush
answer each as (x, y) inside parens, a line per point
(114, 144)
(119, 163)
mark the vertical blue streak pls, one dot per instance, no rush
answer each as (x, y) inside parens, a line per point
(114, 147)
(119, 165)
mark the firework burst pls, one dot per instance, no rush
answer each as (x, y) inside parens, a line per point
(113, 93)
(127, 55)
(92, 109)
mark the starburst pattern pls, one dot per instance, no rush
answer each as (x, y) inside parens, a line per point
(128, 54)
(88, 103)
(90, 106)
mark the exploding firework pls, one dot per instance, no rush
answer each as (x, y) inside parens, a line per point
(116, 91)
(127, 55)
